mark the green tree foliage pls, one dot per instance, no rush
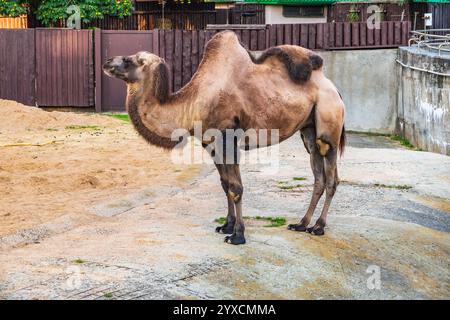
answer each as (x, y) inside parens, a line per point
(52, 11)
(12, 8)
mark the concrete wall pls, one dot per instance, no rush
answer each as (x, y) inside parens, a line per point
(368, 84)
(274, 15)
(424, 100)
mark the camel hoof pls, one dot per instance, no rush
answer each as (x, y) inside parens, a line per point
(297, 227)
(317, 231)
(225, 229)
(235, 239)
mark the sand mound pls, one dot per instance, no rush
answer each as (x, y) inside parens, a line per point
(17, 117)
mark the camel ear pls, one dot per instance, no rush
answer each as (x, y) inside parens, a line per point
(162, 82)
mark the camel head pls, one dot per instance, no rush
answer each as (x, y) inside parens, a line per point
(131, 68)
(143, 68)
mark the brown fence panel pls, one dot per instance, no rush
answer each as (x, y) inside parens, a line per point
(64, 67)
(17, 65)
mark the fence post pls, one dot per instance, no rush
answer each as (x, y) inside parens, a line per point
(98, 69)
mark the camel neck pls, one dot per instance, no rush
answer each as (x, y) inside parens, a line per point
(157, 121)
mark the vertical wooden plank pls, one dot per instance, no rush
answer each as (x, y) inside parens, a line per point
(162, 43)
(287, 34)
(312, 36)
(355, 34)
(363, 34)
(397, 32)
(178, 59)
(58, 76)
(254, 40)
(13, 62)
(2, 63)
(280, 37)
(272, 35)
(339, 43)
(187, 68)
(347, 34)
(370, 37)
(155, 39)
(390, 32)
(319, 36)
(201, 43)
(384, 33)
(405, 32)
(195, 52)
(296, 34)
(98, 69)
(169, 37)
(246, 38)
(377, 36)
(304, 35)
(262, 40)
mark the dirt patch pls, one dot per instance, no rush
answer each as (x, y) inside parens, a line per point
(96, 158)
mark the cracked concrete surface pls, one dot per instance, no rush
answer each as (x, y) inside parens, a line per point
(159, 242)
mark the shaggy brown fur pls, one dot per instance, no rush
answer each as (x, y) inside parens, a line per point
(150, 136)
(298, 71)
(284, 89)
(162, 83)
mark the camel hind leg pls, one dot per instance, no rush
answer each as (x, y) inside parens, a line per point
(331, 181)
(317, 166)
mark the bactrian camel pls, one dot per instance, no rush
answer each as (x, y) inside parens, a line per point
(284, 88)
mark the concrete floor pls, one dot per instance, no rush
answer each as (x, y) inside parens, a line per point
(160, 243)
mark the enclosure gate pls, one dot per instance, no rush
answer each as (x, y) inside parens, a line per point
(64, 68)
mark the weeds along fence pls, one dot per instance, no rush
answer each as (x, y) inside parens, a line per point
(61, 67)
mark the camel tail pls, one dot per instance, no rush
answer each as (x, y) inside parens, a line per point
(342, 142)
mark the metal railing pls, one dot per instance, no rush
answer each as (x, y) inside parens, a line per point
(431, 39)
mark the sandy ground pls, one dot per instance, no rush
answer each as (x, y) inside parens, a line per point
(85, 158)
(96, 213)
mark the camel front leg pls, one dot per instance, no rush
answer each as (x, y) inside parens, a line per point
(228, 227)
(235, 192)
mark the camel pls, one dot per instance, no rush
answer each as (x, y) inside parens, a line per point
(284, 88)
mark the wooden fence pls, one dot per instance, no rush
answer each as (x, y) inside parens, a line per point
(64, 68)
(14, 23)
(47, 67)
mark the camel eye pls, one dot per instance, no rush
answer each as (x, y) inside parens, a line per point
(127, 63)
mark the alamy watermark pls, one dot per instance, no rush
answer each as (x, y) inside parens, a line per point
(74, 19)
(226, 146)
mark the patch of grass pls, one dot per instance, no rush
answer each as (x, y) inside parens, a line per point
(79, 261)
(121, 116)
(52, 129)
(289, 187)
(274, 221)
(221, 220)
(403, 141)
(299, 178)
(83, 127)
(108, 295)
(398, 187)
